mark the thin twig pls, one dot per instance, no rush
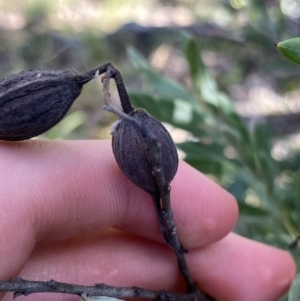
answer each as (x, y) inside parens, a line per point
(22, 287)
(149, 138)
(154, 151)
(86, 77)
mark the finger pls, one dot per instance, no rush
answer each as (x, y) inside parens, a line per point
(233, 269)
(203, 211)
(243, 269)
(53, 190)
(74, 187)
(111, 257)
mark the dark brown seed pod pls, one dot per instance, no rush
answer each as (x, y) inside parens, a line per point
(32, 102)
(146, 153)
(131, 152)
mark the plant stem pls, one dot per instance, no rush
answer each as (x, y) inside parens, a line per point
(153, 148)
(124, 98)
(86, 77)
(26, 287)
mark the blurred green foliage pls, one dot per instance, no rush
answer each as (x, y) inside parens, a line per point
(221, 145)
(218, 142)
(294, 293)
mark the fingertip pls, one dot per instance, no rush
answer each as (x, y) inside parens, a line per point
(204, 211)
(243, 269)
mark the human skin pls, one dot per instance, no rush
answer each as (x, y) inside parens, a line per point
(68, 213)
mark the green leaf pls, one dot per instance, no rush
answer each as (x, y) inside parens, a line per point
(203, 83)
(290, 49)
(160, 108)
(238, 189)
(211, 150)
(262, 148)
(231, 134)
(297, 189)
(176, 112)
(208, 158)
(294, 293)
(237, 124)
(267, 168)
(252, 211)
(206, 165)
(261, 137)
(250, 179)
(206, 88)
(162, 85)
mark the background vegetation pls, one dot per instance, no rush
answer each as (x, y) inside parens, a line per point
(208, 69)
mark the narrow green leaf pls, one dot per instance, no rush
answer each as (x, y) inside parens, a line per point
(297, 189)
(160, 108)
(162, 85)
(206, 157)
(290, 49)
(267, 169)
(252, 211)
(231, 134)
(262, 150)
(212, 150)
(250, 179)
(203, 83)
(178, 113)
(261, 137)
(206, 87)
(206, 166)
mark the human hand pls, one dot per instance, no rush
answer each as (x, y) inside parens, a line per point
(69, 214)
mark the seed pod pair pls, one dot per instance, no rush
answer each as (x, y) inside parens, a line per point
(32, 102)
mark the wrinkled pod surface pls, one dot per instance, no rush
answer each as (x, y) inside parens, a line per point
(131, 152)
(32, 102)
